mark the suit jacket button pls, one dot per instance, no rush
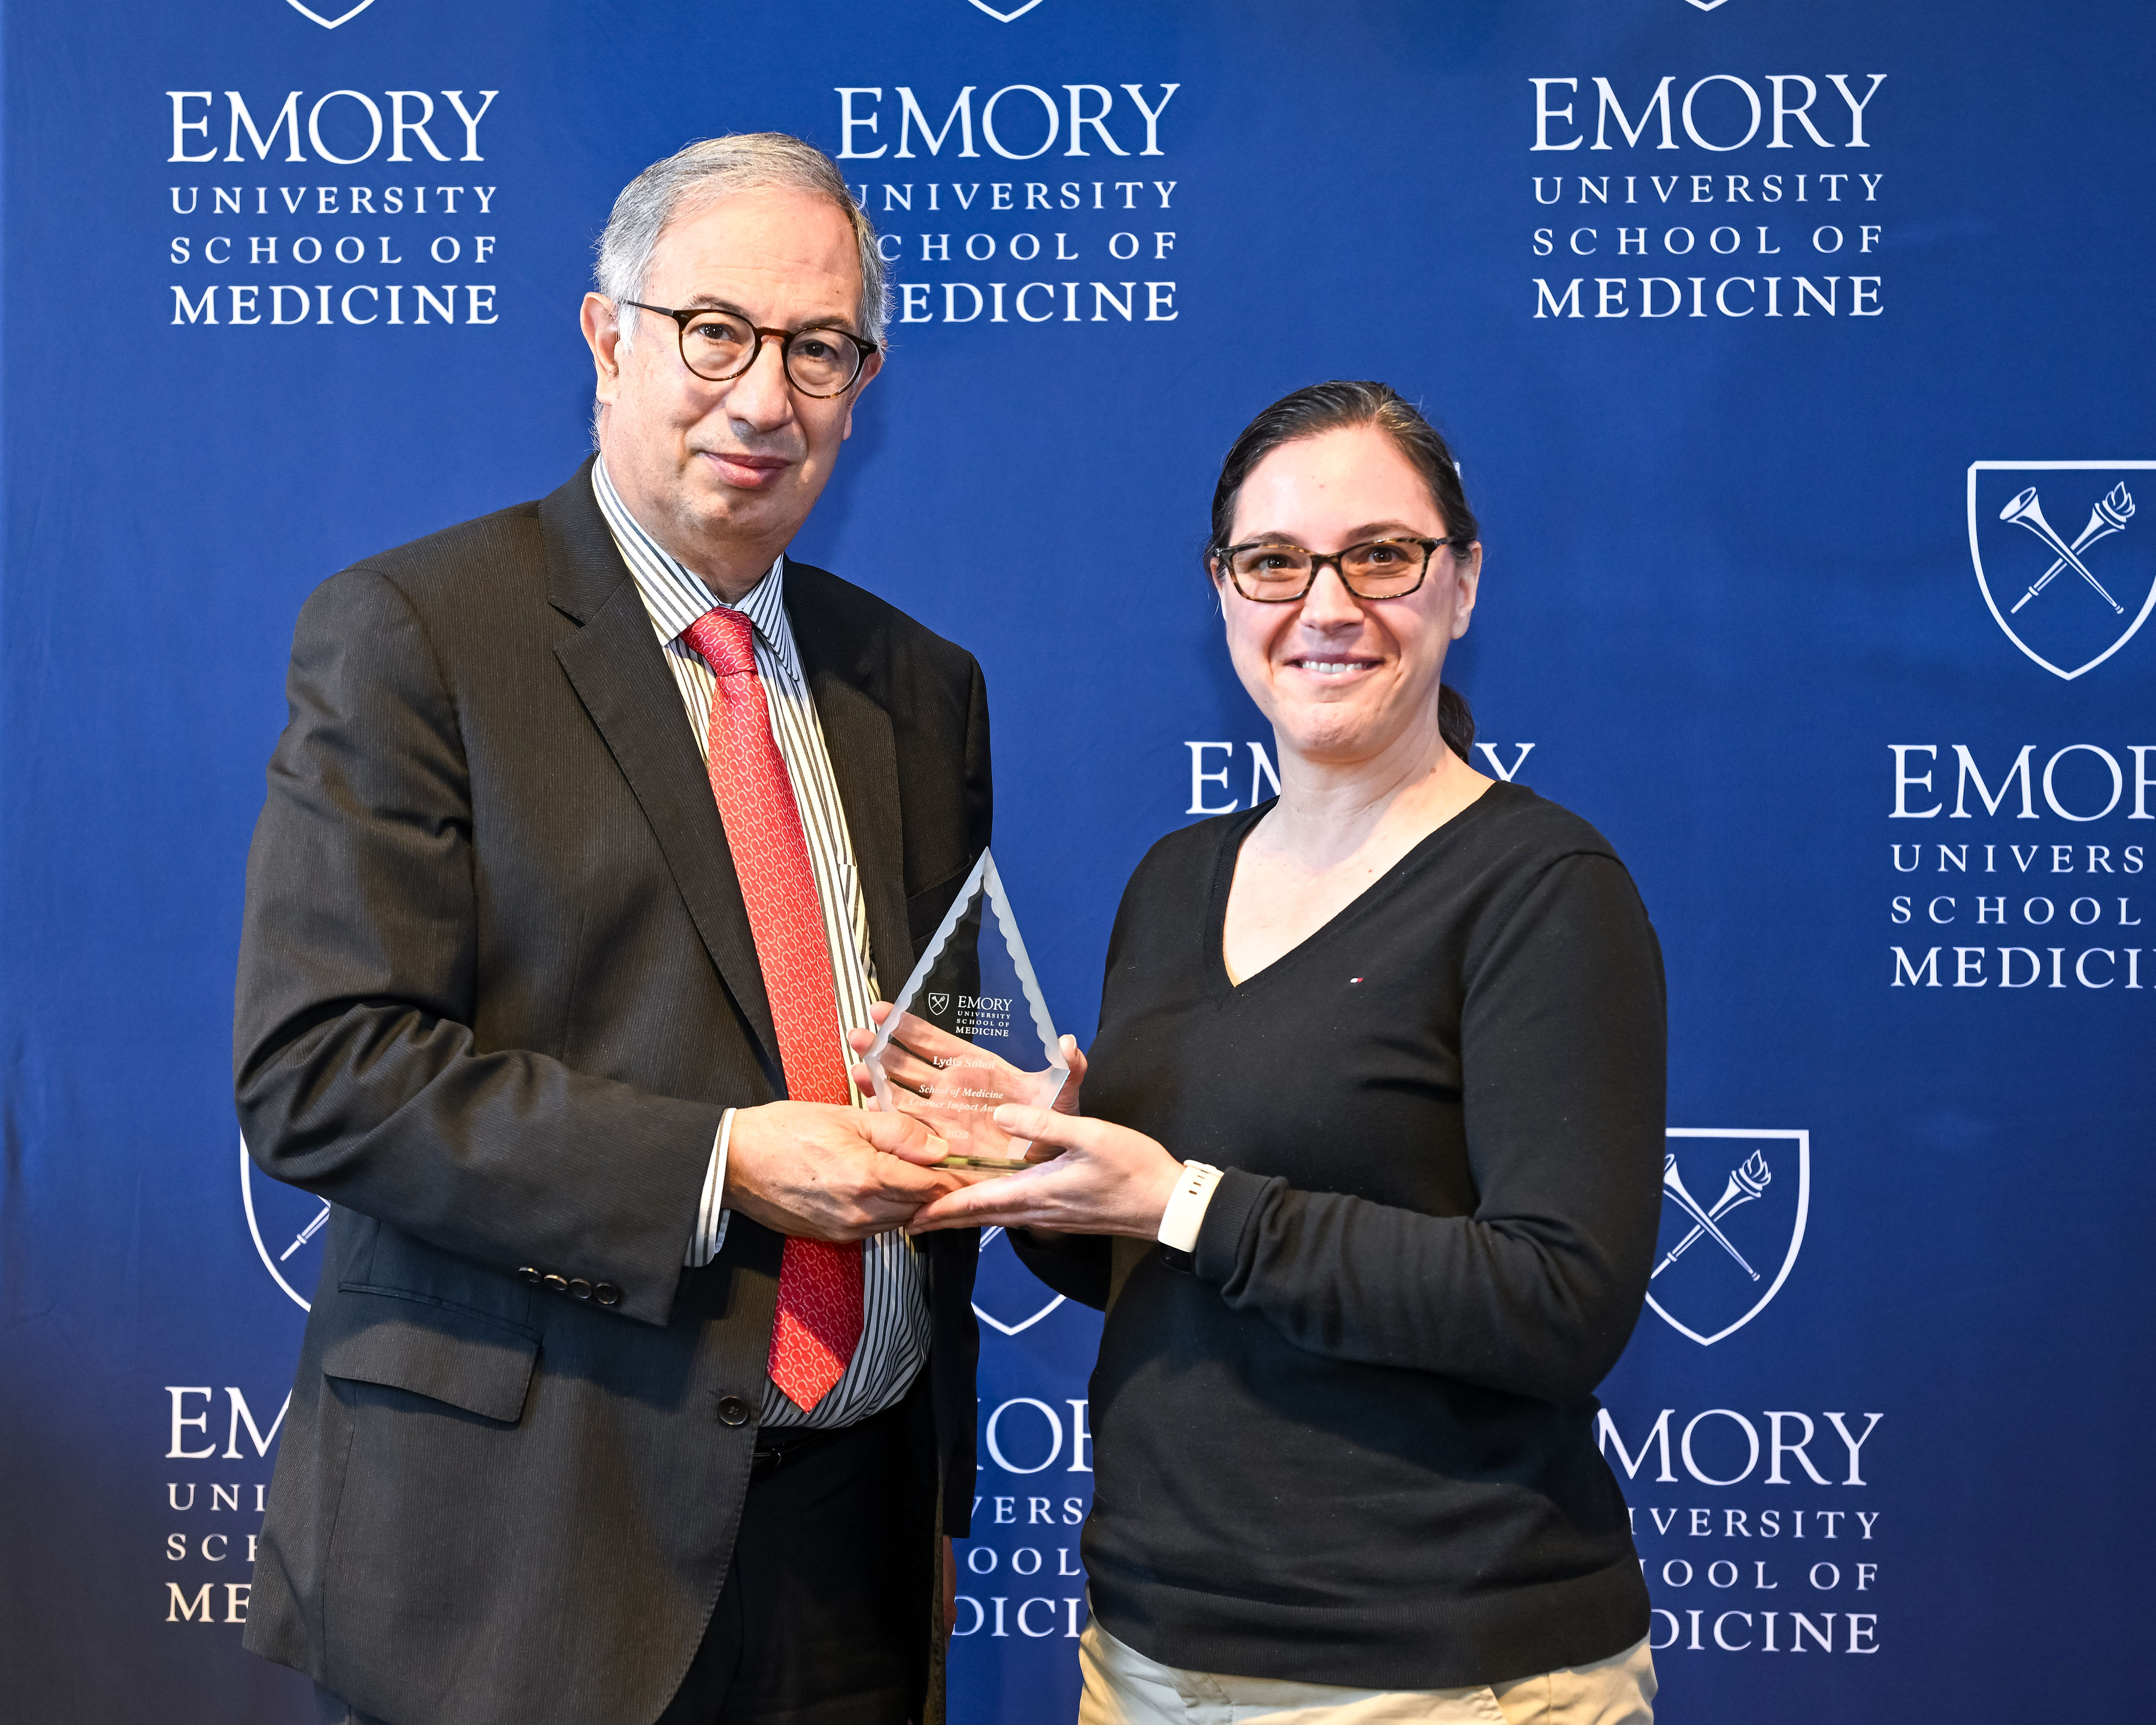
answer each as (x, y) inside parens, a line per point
(529, 1273)
(579, 1289)
(607, 1294)
(555, 1284)
(732, 1410)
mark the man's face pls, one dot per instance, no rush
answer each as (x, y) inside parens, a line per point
(723, 475)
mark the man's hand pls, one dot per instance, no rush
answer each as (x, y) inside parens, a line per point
(824, 1173)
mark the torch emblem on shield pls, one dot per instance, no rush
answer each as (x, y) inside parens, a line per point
(289, 1227)
(2069, 604)
(1733, 1209)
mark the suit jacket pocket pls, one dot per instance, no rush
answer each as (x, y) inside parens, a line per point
(449, 1353)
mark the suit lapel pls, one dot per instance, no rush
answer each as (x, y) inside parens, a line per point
(844, 681)
(614, 665)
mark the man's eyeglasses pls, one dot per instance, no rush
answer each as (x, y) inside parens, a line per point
(717, 346)
(1277, 574)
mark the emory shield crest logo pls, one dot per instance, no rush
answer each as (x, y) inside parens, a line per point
(938, 1005)
(1733, 1207)
(2068, 573)
(1007, 1297)
(330, 23)
(287, 1225)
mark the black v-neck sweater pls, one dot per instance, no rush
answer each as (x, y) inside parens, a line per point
(1357, 1445)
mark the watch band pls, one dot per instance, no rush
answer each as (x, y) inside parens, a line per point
(1185, 1214)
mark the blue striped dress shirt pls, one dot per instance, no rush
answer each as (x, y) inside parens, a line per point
(895, 1327)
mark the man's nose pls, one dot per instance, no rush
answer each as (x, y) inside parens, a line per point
(762, 398)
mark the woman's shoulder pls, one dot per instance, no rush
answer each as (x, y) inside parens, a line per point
(1174, 882)
(1166, 905)
(1522, 852)
(1526, 829)
(1189, 855)
(1535, 862)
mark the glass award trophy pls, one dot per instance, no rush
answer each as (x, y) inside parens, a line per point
(969, 1032)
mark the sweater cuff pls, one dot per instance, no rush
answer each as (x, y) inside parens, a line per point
(1234, 1201)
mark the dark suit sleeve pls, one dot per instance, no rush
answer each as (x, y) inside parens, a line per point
(357, 1072)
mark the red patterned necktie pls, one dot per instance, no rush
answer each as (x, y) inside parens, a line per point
(819, 1284)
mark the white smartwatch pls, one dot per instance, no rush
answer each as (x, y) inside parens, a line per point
(1185, 1213)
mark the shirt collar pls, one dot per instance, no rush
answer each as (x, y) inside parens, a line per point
(675, 595)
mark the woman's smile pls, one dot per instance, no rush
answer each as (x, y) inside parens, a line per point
(1333, 667)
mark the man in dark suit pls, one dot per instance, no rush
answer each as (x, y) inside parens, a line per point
(597, 823)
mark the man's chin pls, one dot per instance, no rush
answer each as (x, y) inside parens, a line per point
(717, 517)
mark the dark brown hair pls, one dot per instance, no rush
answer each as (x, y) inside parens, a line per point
(1339, 406)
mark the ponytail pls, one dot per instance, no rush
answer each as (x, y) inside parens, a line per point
(1455, 721)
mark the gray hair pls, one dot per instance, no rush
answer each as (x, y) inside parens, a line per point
(713, 168)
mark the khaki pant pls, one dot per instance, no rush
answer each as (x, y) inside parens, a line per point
(1124, 1687)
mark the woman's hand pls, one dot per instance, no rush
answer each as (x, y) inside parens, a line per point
(1102, 1178)
(1066, 1099)
(953, 1085)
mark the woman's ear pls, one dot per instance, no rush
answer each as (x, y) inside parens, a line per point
(1468, 578)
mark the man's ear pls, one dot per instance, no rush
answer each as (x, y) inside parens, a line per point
(869, 370)
(602, 328)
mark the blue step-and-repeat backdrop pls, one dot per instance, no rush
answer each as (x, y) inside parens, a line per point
(1797, 358)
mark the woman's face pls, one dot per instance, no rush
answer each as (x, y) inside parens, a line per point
(1341, 678)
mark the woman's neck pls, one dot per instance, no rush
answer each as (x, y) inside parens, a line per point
(1330, 810)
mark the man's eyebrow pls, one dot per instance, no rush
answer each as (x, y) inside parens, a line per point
(710, 302)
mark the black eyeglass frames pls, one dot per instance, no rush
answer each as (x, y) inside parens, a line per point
(820, 361)
(1276, 574)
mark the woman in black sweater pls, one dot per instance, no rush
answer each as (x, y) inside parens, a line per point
(1369, 1168)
